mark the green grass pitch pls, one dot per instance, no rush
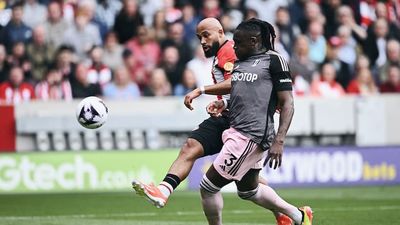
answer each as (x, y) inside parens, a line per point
(341, 206)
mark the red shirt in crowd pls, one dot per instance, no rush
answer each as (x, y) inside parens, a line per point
(24, 92)
(390, 88)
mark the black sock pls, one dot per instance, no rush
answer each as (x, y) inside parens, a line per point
(172, 179)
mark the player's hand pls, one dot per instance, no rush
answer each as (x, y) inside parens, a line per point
(215, 108)
(274, 157)
(278, 110)
(190, 96)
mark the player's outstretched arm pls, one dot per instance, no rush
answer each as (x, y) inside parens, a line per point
(286, 104)
(222, 88)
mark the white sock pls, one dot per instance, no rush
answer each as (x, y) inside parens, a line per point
(269, 199)
(165, 188)
(212, 206)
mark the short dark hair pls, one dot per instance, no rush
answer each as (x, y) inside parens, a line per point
(17, 4)
(266, 30)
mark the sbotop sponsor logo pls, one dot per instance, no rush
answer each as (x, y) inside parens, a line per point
(77, 174)
(249, 77)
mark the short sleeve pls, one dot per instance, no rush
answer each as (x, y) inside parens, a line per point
(226, 59)
(280, 73)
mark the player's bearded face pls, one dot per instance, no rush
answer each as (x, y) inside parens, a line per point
(210, 51)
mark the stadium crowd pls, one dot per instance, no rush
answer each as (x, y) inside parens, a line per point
(127, 49)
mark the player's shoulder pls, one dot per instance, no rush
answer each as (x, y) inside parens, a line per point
(278, 59)
(226, 56)
(226, 50)
(274, 54)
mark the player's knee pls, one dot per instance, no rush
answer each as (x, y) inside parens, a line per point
(247, 195)
(207, 187)
(191, 150)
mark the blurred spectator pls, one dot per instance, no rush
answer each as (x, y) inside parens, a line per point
(160, 26)
(229, 28)
(55, 25)
(69, 9)
(148, 8)
(287, 30)
(200, 67)
(15, 90)
(300, 63)
(127, 21)
(234, 9)
(392, 85)
(363, 84)
(122, 87)
(159, 84)
(146, 51)
(112, 55)
(190, 21)
(375, 45)
(394, 26)
(98, 72)
(345, 16)
(34, 13)
(81, 87)
(279, 47)
(317, 42)
(175, 38)
(301, 87)
(172, 13)
(312, 12)
(19, 58)
(54, 87)
(250, 13)
(367, 12)
(82, 35)
(88, 7)
(135, 70)
(393, 8)
(393, 58)
(187, 85)
(15, 31)
(347, 51)
(265, 9)
(362, 62)
(106, 12)
(39, 53)
(326, 86)
(211, 8)
(329, 8)
(3, 64)
(297, 10)
(343, 72)
(170, 64)
(64, 62)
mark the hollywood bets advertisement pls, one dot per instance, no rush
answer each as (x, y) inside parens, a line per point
(325, 166)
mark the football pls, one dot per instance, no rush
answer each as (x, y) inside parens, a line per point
(91, 112)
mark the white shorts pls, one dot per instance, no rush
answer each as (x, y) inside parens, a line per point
(238, 155)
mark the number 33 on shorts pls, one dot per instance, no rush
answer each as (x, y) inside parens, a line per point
(238, 155)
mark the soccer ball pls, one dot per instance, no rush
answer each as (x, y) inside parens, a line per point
(91, 112)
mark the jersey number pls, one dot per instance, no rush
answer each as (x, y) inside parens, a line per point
(229, 162)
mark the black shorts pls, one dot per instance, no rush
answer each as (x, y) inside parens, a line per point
(209, 134)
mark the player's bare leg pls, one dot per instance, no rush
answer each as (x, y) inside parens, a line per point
(179, 170)
(212, 206)
(211, 197)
